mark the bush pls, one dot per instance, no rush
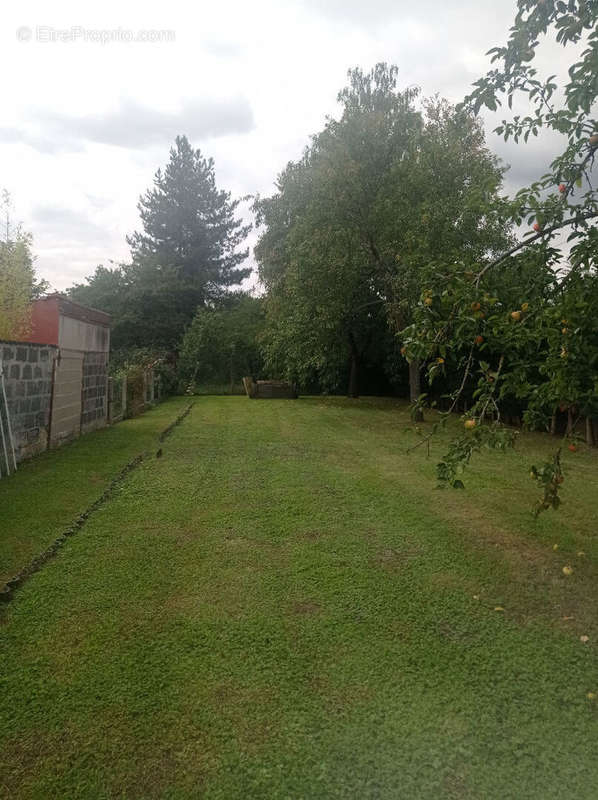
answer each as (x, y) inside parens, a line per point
(222, 346)
(134, 364)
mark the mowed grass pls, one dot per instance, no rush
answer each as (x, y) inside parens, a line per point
(47, 493)
(283, 606)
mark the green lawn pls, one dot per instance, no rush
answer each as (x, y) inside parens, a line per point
(283, 606)
(49, 492)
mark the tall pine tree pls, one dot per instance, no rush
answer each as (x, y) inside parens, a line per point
(186, 256)
(189, 225)
(188, 252)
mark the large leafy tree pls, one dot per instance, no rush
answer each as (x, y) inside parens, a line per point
(318, 249)
(442, 208)
(314, 336)
(187, 254)
(379, 194)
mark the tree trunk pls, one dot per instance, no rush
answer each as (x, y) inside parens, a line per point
(589, 432)
(553, 424)
(353, 390)
(569, 421)
(354, 378)
(415, 386)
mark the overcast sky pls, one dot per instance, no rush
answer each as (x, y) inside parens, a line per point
(86, 123)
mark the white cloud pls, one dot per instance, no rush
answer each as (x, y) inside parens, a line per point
(86, 125)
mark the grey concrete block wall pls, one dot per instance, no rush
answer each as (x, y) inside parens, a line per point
(28, 381)
(94, 398)
(55, 394)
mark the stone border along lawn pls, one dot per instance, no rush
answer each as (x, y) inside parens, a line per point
(40, 501)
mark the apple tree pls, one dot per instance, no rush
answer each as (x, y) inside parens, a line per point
(523, 323)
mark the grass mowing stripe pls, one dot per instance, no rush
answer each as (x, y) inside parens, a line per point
(6, 591)
(167, 431)
(39, 501)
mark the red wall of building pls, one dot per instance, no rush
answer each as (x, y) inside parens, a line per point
(44, 321)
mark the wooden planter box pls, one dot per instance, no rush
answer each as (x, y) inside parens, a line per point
(269, 389)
